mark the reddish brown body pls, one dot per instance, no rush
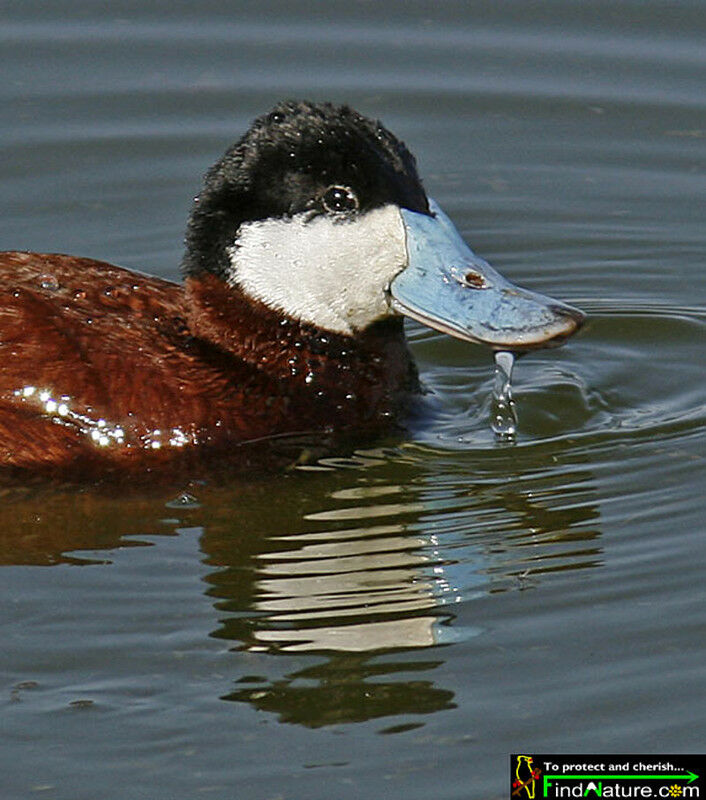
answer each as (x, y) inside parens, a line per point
(103, 368)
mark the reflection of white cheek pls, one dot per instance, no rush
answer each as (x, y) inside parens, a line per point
(326, 271)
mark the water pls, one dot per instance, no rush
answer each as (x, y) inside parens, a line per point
(503, 415)
(397, 619)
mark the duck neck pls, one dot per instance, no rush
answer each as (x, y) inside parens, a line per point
(304, 356)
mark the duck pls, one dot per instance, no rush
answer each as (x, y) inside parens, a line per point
(310, 241)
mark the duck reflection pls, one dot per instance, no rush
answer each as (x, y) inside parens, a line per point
(347, 688)
(358, 562)
(354, 590)
(371, 561)
(420, 546)
(45, 525)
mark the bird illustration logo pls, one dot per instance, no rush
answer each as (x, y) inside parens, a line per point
(525, 776)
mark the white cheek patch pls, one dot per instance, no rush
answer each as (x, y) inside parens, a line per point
(330, 272)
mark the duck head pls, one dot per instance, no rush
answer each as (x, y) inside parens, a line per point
(319, 214)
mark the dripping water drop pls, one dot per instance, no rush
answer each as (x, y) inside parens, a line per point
(503, 415)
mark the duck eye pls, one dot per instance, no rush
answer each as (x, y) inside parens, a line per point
(339, 200)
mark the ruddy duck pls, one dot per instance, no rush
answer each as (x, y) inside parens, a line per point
(311, 238)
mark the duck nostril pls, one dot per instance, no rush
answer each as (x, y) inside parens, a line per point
(475, 280)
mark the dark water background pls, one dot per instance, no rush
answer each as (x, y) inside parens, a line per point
(396, 622)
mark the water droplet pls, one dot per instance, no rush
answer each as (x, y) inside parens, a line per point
(80, 294)
(184, 500)
(48, 281)
(503, 415)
